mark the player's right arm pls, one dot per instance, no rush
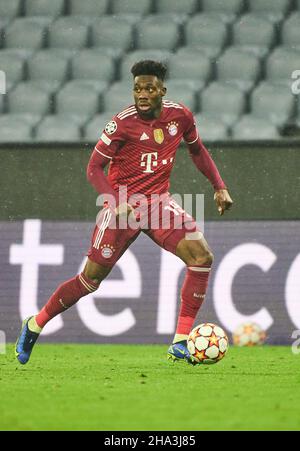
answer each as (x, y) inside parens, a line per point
(112, 138)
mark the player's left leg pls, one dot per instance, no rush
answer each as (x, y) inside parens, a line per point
(188, 243)
(198, 258)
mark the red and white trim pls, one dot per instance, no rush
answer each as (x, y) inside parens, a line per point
(89, 287)
(128, 111)
(199, 268)
(170, 104)
(192, 142)
(102, 228)
(103, 154)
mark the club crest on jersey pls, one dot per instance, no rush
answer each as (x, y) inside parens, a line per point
(172, 128)
(107, 250)
(158, 135)
(111, 127)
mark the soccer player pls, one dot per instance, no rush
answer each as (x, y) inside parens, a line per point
(139, 144)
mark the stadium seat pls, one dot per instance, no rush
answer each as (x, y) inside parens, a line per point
(180, 92)
(290, 33)
(132, 19)
(49, 86)
(253, 33)
(27, 33)
(104, 33)
(211, 129)
(253, 128)
(53, 129)
(53, 8)
(137, 55)
(182, 66)
(78, 119)
(280, 65)
(177, 6)
(14, 129)
(13, 65)
(10, 8)
(274, 10)
(238, 69)
(93, 129)
(131, 6)
(93, 8)
(69, 32)
(222, 102)
(193, 85)
(3, 24)
(207, 34)
(155, 32)
(26, 98)
(81, 97)
(227, 10)
(229, 6)
(26, 118)
(51, 65)
(93, 64)
(118, 97)
(273, 102)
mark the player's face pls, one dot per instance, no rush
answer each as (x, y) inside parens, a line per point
(148, 91)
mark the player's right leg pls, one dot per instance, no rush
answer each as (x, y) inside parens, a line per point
(108, 244)
(66, 295)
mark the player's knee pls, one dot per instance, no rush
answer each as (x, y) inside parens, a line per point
(96, 275)
(205, 258)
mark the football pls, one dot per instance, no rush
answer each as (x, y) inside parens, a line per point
(207, 343)
(248, 334)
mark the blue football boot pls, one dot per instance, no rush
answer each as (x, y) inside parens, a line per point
(179, 352)
(25, 342)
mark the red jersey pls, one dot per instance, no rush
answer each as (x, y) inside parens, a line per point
(142, 152)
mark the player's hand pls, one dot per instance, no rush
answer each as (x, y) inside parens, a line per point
(223, 200)
(124, 210)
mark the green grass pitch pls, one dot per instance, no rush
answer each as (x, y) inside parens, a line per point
(134, 387)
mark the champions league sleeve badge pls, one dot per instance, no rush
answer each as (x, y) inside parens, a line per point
(111, 127)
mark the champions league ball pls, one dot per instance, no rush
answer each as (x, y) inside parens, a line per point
(248, 334)
(207, 343)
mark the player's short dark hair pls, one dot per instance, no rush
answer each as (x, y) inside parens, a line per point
(149, 67)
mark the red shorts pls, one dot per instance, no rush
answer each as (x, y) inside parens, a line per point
(165, 222)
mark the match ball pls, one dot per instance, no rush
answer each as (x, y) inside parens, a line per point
(248, 334)
(207, 343)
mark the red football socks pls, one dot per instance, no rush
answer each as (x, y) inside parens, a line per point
(192, 296)
(66, 295)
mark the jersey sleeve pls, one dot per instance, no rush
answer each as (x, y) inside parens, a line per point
(190, 134)
(112, 138)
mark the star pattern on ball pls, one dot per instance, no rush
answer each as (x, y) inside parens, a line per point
(213, 339)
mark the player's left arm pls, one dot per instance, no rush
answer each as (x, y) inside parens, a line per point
(204, 162)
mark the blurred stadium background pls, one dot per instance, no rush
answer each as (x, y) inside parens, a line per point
(67, 68)
(68, 63)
